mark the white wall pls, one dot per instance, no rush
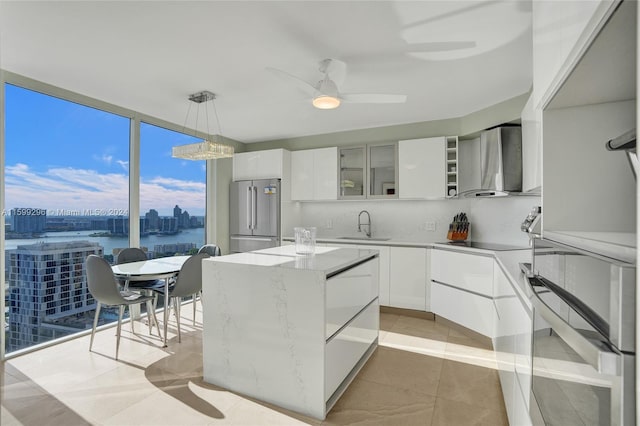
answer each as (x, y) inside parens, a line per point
(492, 219)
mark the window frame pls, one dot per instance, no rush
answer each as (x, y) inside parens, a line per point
(135, 119)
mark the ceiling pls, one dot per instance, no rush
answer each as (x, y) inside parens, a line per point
(148, 56)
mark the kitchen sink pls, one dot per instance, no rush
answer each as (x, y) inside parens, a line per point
(363, 238)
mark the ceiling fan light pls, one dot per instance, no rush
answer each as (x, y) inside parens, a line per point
(326, 102)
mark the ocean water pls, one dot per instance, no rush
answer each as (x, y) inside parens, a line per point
(194, 235)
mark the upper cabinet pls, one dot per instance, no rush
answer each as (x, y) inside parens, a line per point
(561, 30)
(353, 163)
(428, 167)
(383, 173)
(531, 146)
(589, 192)
(268, 164)
(314, 174)
(368, 172)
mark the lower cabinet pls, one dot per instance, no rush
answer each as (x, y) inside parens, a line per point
(408, 278)
(512, 345)
(473, 311)
(462, 289)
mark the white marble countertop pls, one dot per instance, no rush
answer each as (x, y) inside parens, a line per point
(328, 260)
(398, 243)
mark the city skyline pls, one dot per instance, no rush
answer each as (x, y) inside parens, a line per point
(83, 163)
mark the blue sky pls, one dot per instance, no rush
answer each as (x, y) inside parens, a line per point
(61, 155)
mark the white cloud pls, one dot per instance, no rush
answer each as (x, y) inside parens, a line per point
(123, 164)
(79, 189)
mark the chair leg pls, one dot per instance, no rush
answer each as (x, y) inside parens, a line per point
(133, 331)
(95, 324)
(176, 307)
(120, 314)
(194, 308)
(151, 316)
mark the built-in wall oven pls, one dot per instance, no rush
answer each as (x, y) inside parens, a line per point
(583, 368)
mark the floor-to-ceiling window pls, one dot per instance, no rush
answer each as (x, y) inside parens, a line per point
(172, 194)
(66, 196)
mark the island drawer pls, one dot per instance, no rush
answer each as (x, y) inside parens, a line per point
(346, 348)
(348, 293)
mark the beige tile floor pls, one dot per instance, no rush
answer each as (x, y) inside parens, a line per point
(424, 372)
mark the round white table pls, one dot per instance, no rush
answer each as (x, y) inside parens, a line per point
(153, 269)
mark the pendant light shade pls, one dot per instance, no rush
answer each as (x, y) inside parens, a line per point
(207, 149)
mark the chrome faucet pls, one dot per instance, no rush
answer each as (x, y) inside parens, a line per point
(368, 224)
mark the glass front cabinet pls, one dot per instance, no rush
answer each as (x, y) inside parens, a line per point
(368, 171)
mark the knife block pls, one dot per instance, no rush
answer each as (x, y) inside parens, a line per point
(454, 235)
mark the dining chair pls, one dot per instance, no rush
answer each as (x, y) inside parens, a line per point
(103, 286)
(188, 283)
(211, 250)
(135, 254)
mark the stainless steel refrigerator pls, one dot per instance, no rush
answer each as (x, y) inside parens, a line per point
(254, 209)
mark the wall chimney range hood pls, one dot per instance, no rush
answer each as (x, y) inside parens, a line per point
(500, 163)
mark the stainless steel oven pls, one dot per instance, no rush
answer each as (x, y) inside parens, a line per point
(583, 337)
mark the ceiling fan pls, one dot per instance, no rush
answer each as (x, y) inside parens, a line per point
(325, 93)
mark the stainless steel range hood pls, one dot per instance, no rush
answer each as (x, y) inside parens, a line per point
(500, 163)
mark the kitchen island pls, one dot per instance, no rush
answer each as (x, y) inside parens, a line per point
(288, 329)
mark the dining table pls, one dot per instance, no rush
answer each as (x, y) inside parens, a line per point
(163, 268)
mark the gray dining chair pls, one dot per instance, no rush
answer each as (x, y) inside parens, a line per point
(211, 250)
(135, 254)
(104, 289)
(188, 283)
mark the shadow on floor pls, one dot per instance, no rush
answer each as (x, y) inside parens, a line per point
(30, 404)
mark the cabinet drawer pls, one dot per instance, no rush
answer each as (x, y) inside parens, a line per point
(465, 271)
(349, 292)
(347, 347)
(467, 309)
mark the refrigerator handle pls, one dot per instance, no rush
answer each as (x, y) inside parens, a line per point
(254, 205)
(250, 208)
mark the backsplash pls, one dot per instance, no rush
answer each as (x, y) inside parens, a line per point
(492, 219)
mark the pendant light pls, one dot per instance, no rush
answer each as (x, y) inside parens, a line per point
(207, 149)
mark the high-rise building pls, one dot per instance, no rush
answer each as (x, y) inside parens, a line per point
(28, 220)
(177, 211)
(184, 220)
(120, 225)
(164, 249)
(152, 219)
(168, 225)
(48, 291)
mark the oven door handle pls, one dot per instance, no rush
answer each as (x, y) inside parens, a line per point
(600, 357)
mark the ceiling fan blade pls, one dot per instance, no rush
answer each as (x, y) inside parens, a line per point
(373, 98)
(290, 78)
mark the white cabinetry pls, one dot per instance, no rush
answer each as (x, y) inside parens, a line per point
(408, 278)
(531, 119)
(561, 29)
(512, 345)
(314, 174)
(266, 164)
(462, 289)
(422, 168)
(383, 259)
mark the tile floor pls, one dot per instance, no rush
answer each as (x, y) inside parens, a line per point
(423, 373)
